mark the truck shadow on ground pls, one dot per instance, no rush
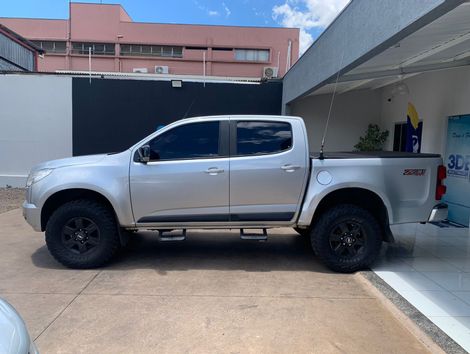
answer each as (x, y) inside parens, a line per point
(209, 250)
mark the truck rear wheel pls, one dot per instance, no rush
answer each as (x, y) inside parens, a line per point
(346, 238)
(82, 234)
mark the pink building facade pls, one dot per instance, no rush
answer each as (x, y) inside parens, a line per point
(117, 44)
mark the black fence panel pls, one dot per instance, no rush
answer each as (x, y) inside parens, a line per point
(110, 115)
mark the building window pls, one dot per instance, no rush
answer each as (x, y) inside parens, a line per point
(399, 137)
(196, 48)
(222, 49)
(51, 46)
(252, 54)
(152, 50)
(96, 48)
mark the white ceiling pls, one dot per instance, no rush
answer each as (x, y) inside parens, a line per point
(445, 41)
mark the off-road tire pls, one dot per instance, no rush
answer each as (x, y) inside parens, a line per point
(326, 225)
(101, 216)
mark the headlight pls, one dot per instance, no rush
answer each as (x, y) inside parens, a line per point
(38, 175)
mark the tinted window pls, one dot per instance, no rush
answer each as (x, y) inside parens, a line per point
(263, 137)
(197, 140)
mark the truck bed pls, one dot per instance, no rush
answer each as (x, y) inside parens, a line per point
(371, 155)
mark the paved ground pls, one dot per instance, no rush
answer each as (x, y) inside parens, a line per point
(10, 198)
(205, 295)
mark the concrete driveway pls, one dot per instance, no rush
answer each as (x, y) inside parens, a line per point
(210, 293)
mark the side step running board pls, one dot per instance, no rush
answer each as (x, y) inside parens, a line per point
(254, 236)
(166, 235)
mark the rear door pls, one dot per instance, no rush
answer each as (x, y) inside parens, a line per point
(268, 167)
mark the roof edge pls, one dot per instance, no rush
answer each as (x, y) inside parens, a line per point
(18, 38)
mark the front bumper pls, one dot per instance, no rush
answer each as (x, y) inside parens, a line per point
(439, 213)
(32, 215)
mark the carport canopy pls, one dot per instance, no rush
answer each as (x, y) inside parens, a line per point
(442, 41)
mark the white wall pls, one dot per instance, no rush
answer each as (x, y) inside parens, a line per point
(351, 114)
(436, 95)
(35, 123)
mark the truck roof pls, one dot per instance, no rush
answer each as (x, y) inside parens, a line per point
(243, 116)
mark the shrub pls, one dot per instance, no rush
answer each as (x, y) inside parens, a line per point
(373, 140)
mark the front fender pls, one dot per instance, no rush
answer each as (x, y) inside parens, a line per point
(109, 178)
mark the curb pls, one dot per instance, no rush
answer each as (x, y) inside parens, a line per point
(435, 339)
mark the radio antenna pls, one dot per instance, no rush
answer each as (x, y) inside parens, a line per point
(322, 157)
(189, 108)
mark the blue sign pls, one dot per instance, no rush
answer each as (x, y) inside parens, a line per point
(414, 130)
(458, 169)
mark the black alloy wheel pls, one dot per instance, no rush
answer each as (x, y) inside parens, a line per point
(347, 239)
(80, 235)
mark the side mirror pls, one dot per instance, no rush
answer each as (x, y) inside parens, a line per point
(144, 153)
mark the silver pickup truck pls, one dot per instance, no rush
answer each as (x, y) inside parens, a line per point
(239, 172)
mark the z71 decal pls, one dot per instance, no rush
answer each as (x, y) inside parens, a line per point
(414, 172)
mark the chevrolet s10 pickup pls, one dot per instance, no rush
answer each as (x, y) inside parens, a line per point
(251, 173)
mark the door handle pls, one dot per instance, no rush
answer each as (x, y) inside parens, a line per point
(213, 171)
(289, 167)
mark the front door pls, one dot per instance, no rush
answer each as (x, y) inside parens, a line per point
(268, 167)
(187, 178)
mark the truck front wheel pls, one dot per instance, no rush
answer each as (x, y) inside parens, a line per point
(346, 238)
(82, 234)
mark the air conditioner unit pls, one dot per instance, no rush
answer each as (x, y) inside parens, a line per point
(140, 70)
(161, 69)
(270, 72)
